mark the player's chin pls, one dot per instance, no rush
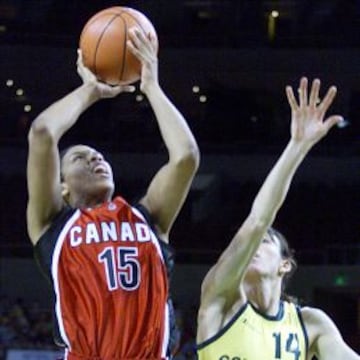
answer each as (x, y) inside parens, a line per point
(104, 184)
(253, 268)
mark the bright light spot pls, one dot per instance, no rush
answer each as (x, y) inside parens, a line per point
(343, 123)
(27, 108)
(202, 98)
(9, 82)
(195, 89)
(19, 92)
(139, 97)
(275, 14)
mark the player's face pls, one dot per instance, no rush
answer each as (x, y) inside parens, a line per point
(267, 260)
(85, 171)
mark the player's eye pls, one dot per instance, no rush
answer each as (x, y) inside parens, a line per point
(77, 157)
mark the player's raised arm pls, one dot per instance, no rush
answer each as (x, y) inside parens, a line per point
(222, 285)
(43, 167)
(168, 189)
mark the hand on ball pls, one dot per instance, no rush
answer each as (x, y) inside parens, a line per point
(104, 90)
(144, 47)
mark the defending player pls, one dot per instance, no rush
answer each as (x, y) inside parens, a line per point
(242, 314)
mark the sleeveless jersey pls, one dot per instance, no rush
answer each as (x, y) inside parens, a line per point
(110, 283)
(251, 335)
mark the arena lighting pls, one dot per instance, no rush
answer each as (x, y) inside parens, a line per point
(139, 98)
(19, 92)
(340, 280)
(202, 98)
(343, 123)
(27, 108)
(195, 89)
(9, 82)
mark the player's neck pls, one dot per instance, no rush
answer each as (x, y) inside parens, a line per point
(81, 202)
(264, 295)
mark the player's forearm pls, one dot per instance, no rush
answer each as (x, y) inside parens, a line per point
(277, 183)
(63, 114)
(175, 132)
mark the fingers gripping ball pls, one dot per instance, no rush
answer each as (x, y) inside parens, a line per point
(103, 44)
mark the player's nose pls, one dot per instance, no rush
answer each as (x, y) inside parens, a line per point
(95, 156)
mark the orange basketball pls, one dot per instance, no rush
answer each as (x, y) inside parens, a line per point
(103, 44)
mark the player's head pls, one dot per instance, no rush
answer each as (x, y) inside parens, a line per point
(85, 174)
(273, 258)
(287, 254)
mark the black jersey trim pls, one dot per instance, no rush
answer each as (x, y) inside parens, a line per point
(167, 250)
(168, 253)
(224, 329)
(277, 317)
(43, 253)
(212, 339)
(306, 337)
(44, 248)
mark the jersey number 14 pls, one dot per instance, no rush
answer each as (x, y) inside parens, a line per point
(291, 345)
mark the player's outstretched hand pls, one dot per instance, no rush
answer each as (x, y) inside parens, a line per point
(308, 122)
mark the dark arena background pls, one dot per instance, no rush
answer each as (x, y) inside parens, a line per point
(225, 64)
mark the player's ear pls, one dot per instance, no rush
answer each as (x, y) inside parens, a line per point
(285, 266)
(65, 191)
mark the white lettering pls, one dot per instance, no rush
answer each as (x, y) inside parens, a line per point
(92, 234)
(142, 232)
(126, 232)
(108, 231)
(75, 237)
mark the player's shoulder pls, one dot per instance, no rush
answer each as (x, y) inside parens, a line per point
(317, 319)
(310, 313)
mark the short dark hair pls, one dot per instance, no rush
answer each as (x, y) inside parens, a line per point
(62, 154)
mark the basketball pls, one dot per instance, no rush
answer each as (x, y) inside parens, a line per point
(103, 44)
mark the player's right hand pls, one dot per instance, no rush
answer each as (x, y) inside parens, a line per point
(103, 90)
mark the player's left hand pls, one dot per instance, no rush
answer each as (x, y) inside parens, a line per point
(144, 47)
(307, 114)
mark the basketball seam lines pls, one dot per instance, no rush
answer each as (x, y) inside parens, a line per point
(135, 19)
(126, 36)
(122, 70)
(99, 41)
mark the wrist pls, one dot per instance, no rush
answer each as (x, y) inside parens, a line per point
(300, 147)
(151, 88)
(91, 92)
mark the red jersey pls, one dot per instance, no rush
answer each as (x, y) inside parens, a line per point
(110, 283)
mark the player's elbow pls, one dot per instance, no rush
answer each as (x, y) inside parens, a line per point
(39, 131)
(189, 159)
(193, 157)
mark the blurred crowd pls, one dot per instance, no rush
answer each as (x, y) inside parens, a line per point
(24, 326)
(29, 326)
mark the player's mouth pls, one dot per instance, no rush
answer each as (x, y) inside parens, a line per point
(101, 169)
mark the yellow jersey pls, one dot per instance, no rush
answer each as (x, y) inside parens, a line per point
(251, 335)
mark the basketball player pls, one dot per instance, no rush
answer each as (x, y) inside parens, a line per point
(104, 257)
(242, 314)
